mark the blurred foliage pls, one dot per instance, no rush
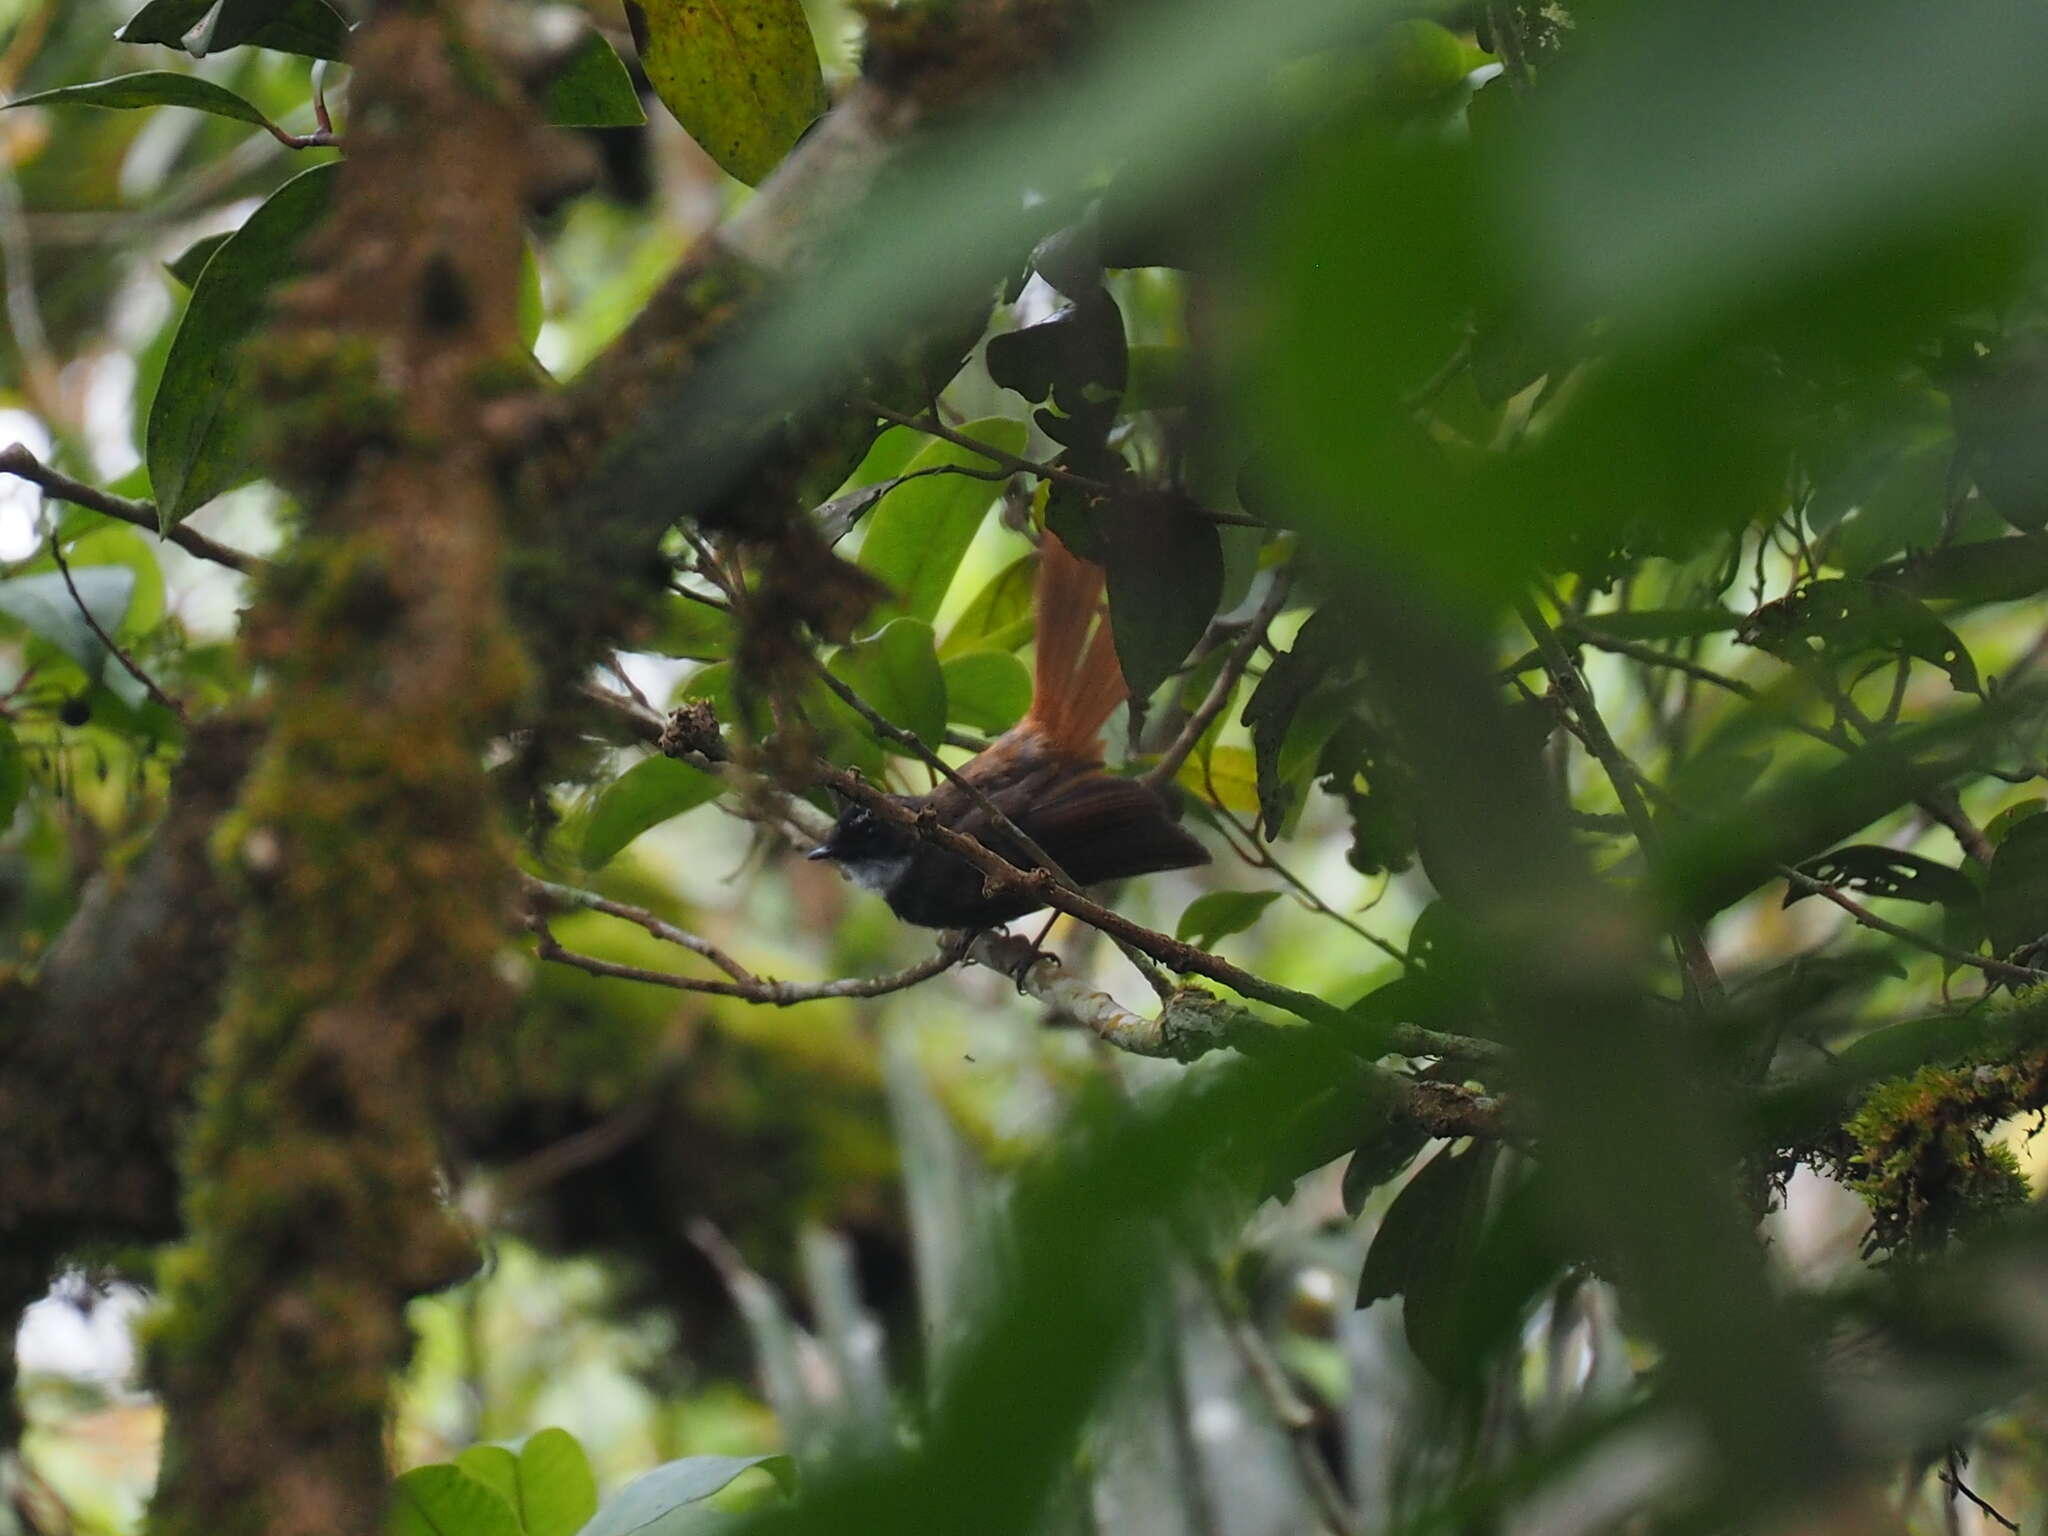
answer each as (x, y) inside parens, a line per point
(1593, 455)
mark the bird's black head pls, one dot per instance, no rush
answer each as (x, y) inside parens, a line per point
(873, 852)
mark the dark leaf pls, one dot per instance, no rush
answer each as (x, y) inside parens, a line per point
(1165, 567)
(13, 775)
(1219, 914)
(1425, 1247)
(1838, 620)
(1873, 870)
(151, 88)
(741, 76)
(189, 263)
(1077, 361)
(311, 28)
(1378, 1158)
(1999, 827)
(2016, 889)
(197, 441)
(593, 90)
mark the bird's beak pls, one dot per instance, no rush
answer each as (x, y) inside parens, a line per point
(822, 851)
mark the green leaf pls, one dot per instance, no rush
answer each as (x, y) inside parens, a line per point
(1219, 914)
(13, 775)
(1874, 870)
(691, 629)
(918, 535)
(741, 76)
(444, 1500)
(650, 792)
(1837, 620)
(189, 263)
(593, 90)
(557, 1493)
(1999, 827)
(998, 617)
(1164, 563)
(1424, 1248)
(197, 441)
(676, 1485)
(2016, 889)
(311, 28)
(496, 1467)
(151, 88)
(44, 605)
(896, 673)
(989, 690)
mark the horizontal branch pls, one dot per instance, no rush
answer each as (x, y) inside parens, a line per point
(16, 460)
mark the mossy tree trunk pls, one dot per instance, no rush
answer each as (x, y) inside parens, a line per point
(373, 871)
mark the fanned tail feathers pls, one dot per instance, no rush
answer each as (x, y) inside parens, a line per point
(1076, 683)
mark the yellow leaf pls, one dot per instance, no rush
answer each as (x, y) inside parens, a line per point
(1228, 778)
(741, 75)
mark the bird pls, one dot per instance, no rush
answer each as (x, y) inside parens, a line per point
(1045, 774)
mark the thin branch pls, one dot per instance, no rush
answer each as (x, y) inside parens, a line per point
(1220, 692)
(2004, 970)
(107, 640)
(1953, 1476)
(15, 459)
(760, 989)
(668, 933)
(1702, 982)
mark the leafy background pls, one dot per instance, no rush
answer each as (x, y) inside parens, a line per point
(1642, 413)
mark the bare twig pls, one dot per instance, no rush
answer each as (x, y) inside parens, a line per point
(1220, 692)
(15, 459)
(1702, 982)
(668, 933)
(755, 989)
(2004, 970)
(1952, 1475)
(107, 640)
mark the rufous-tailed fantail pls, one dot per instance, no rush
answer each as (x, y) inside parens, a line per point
(1045, 774)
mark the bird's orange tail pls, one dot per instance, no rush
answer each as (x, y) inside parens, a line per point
(1076, 683)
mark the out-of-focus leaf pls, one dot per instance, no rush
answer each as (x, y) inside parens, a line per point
(151, 88)
(13, 774)
(1289, 729)
(1425, 1247)
(44, 606)
(197, 442)
(443, 1500)
(190, 262)
(741, 76)
(919, 533)
(557, 1493)
(1999, 827)
(1874, 870)
(1075, 361)
(1661, 623)
(1999, 403)
(1833, 621)
(989, 690)
(1157, 378)
(650, 792)
(593, 90)
(998, 617)
(896, 673)
(1981, 571)
(1157, 621)
(1803, 132)
(1379, 1158)
(2016, 888)
(1219, 914)
(311, 28)
(692, 629)
(651, 1500)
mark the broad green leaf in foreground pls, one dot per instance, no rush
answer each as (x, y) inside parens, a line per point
(645, 795)
(741, 75)
(197, 442)
(311, 28)
(443, 1500)
(918, 535)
